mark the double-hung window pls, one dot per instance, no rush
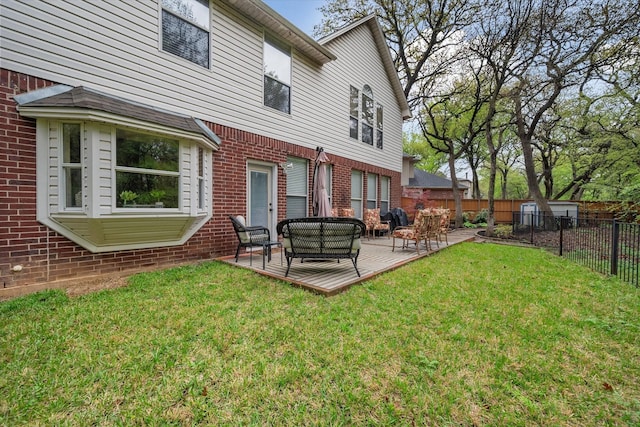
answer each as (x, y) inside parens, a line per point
(185, 30)
(297, 188)
(372, 190)
(356, 193)
(277, 75)
(71, 166)
(385, 189)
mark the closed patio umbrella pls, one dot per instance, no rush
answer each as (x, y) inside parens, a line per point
(321, 204)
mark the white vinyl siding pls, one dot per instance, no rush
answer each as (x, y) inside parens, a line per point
(115, 48)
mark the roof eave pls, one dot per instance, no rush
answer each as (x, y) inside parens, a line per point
(207, 139)
(261, 13)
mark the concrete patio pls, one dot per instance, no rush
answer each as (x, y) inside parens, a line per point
(330, 277)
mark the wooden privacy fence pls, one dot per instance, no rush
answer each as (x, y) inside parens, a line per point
(503, 209)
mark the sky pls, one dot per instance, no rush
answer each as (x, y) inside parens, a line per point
(303, 14)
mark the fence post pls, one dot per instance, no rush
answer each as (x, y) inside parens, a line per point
(531, 225)
(562, 219)
(615, 234)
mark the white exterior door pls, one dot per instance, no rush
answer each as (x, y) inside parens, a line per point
(260, 196)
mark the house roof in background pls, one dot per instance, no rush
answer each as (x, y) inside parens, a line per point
(424, 179)
(80, 98)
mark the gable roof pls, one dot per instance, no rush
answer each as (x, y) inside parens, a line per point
(258, 11)
(81, 101)
(429, 180)
(378, 36)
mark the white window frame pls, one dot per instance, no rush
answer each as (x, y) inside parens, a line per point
(354, 112)
(285, 50)
(358, 99)
(204, 25)
(356, 192)
(180, 174)
(298, 175)
(64, 166)
(98, 143)
(372, 190)
(385, 194)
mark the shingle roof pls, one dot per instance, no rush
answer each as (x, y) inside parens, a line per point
(83, 98)
(428, 180)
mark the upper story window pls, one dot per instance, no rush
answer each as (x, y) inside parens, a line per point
(379, 126)
(185, 29)
(367, 115)
(363, 115)
(277, 76)
(354, 101)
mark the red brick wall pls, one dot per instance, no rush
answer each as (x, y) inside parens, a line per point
(47, 257)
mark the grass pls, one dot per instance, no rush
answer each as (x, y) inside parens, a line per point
(479, 334)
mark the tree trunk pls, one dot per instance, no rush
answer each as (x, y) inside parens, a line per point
(457, 197)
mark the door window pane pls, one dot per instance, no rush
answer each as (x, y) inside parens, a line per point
(259, 198)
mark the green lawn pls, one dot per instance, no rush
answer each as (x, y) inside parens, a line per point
(478, 334)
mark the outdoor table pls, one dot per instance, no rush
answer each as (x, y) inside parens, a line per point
(266, 247)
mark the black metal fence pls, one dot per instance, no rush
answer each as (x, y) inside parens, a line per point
(604, 245)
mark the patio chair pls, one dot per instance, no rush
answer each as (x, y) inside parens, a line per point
(374, 223)
(443, 229)
(257, 236)
(347, 212)
(416, 232)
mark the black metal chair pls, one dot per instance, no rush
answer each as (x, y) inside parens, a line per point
(256, 236)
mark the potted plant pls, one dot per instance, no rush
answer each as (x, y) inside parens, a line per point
(128, 196)
(158, 195)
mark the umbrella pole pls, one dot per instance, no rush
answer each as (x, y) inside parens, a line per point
(314, 203)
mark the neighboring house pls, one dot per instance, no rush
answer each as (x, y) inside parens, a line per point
(427, 188)
(133, 129)
(466, 182)
(408, 168)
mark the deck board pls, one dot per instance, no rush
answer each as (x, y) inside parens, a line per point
(328, 277)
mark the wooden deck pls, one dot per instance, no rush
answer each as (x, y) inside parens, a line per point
(330, 277)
